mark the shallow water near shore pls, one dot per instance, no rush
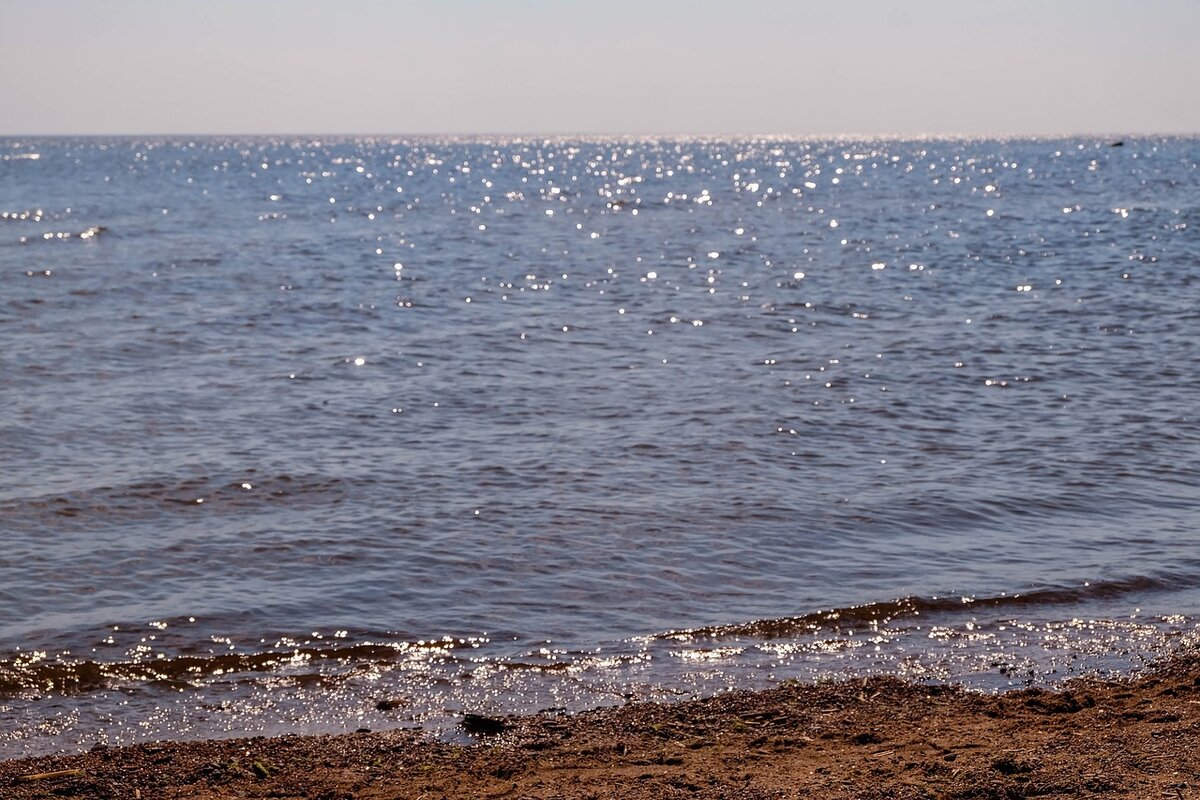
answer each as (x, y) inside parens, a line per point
(312, 435)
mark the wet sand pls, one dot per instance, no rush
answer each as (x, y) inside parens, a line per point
(872, 738)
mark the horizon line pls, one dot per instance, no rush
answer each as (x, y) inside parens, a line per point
(933, 135)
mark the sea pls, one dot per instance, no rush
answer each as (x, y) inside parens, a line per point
(308, 434)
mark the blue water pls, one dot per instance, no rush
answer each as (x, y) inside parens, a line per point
(289, 426)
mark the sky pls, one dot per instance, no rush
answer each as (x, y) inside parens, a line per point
(789, 67)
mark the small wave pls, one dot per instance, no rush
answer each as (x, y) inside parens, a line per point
(27, 673)
(874, 614)
(59, 236)
(136, 500)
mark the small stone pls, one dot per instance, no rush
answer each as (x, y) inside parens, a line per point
(480, 725)
(391, 704)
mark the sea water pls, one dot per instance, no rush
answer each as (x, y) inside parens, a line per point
(313, 434)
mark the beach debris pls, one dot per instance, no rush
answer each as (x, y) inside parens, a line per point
(1011, 765)
(1044, 702)
(49, 776)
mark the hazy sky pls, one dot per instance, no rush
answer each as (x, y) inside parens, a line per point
(649, 66)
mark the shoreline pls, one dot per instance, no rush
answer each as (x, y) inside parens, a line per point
(875, 737)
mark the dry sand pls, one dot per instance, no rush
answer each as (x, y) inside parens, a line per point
(874, 738)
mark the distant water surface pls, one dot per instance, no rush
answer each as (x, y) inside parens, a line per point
(316, 434)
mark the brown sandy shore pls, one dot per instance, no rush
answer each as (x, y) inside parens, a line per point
(873, 738)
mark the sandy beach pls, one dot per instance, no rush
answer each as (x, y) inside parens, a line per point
(864, 738)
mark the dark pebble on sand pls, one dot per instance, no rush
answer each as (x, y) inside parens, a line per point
(479, 724)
